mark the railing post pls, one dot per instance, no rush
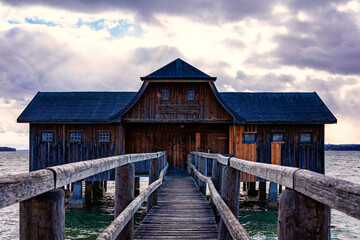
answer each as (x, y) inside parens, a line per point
(216, 179)
(196, 164)
(302, 217)
(124, 194)
(154, 172)
(230, 192)
(43, 216)
(203, 170)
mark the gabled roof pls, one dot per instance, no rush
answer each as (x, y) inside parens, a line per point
(178, 69)
(278, 107)
(75, 106)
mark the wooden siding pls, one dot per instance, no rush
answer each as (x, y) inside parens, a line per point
(151, 108)
(246, 151)
(61, 150)
(176, 139)
(290, 152)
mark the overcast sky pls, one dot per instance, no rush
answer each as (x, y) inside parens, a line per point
(291, 46)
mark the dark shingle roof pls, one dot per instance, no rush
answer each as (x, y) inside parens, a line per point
(75, 106)
(279, 107)
(178, 69)
(251, 107)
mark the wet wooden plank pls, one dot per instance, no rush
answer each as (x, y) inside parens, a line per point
(182, 213)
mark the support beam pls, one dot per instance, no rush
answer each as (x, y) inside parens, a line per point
(154, 171)
(251, 189)
(230, 192)
(273, 195)
(124, 194)
(137, 186)
(43, 216)
(301, 217)
(203, 170)
(262, 191)
(216, 179)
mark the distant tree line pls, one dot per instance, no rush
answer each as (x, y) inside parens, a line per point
(8, 149)
(342, 147)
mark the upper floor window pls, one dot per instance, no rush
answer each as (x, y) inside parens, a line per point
(165, 94)
(191, 94)
(104, 137)
(75, 137)
(47, 137)
(249, 137)
(277, 137)
(305, 137)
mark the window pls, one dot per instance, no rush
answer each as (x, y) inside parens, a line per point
(191, 94)
(104, 137)
(305, 137)
(249, 137)
(47, 137)
(165, 94)
(277, 137)
(75, 137)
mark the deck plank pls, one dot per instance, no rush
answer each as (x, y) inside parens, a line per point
(182, 212)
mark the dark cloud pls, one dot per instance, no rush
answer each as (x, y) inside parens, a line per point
(329, 42)
(268, 83)
(203, 10)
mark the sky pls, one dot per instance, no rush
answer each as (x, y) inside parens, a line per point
(266, 46)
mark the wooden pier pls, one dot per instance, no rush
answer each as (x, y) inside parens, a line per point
(182, 212)
(177, 207)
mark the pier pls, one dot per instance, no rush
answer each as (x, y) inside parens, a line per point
(177, 207)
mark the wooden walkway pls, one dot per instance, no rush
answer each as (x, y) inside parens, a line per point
(182, 212)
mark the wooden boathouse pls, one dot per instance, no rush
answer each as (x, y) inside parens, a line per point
(177, 109)
(179, 120)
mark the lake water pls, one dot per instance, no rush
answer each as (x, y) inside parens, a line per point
(260, 222)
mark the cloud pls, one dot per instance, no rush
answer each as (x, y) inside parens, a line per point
(328, 41)
(203, 10)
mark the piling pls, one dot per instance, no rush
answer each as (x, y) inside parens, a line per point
(43, 216)
(230, 192)
(124, 194)
(301, 217)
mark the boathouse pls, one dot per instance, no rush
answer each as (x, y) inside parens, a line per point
(177, 109)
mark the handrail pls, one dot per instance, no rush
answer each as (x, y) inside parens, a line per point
(333, 192)
(234, 227)
(115, 228)
(21, 187)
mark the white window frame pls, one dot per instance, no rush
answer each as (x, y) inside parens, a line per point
(75, 137)
(104, 137)
(165, 94)
(277, 134)
(304, 137)
(191, 95)
(47, 137)
(247, 140)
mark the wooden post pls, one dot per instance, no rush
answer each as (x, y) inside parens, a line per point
(273, 195)
(216, 179)
(43, 216)
(98, 189)
(153, 176)
(301, 217)
(196, 164)
(137, 186)
(89, 191)
(262, 191)
(230, 192)
(251, 190)
(124, 194)
(203, 170)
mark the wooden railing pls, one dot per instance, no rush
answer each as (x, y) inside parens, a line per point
(304, 208)
(42, 213)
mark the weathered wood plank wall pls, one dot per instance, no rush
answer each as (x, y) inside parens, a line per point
(289, 152)
(176, 139)
(61, 150)
(151, 106)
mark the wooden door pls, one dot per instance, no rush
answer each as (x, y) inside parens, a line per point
(217, 143)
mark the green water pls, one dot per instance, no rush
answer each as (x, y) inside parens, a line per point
(260, 223)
